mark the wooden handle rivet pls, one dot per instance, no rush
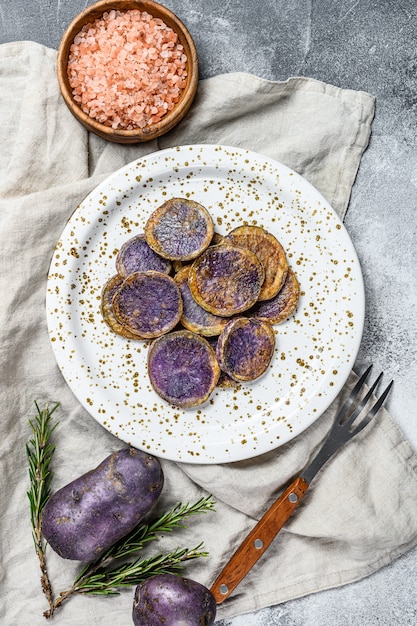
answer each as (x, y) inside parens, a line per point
(293, 497)
(258, 543)
(223, 588)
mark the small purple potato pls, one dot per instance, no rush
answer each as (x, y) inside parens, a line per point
(169, 600)
(87, 516)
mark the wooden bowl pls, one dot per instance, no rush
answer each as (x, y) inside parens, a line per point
(172, 117)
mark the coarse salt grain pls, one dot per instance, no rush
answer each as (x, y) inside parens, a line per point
(127, 69)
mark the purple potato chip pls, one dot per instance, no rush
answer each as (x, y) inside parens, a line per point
(280, 307)
(194, 317)
(269, 252)
(226, 279)
(180, 229)
(107, 294)
(183, 368)
(148, 303)
(225, 382)
(135, 255)
(245, 348)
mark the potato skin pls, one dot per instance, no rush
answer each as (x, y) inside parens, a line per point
(169, 600)
(87, 516)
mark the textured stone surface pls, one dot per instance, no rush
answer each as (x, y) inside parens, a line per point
(366, 46)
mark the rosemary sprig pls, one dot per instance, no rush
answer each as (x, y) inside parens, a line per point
(111, 572)
(109, 581)
(39, 452)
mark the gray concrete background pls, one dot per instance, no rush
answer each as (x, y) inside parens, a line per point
(364, 45)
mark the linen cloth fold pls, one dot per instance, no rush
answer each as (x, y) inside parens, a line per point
(354, 519)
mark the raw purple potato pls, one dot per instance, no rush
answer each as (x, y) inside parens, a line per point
(245, 348)
(135, 255)
(148, 304)
(107, 294)
(183, 368)
(194, 317)
(179, 230)
(278, 309)
(226, 279)
(169, 600)
(87, 516)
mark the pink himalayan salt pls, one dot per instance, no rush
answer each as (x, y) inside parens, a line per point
(127, 69)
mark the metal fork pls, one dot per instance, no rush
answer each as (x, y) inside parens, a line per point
(258, 540)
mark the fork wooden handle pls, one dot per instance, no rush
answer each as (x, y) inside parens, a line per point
(258, 540)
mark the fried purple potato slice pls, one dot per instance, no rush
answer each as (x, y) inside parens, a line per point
(148, 304)
(225, 382)
(194, 317)
(135, 255)
(226, 279)
(179, 230)
(183, 368)
(108, 291)
(245, 348)
(278, 309)
(270, 253)
(178, 265)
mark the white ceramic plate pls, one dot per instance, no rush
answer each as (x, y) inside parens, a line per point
(315, 348)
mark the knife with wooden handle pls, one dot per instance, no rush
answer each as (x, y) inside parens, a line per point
(258, 540)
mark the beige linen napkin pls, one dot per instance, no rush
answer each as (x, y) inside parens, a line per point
(355, 518)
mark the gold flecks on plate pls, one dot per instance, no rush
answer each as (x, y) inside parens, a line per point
(315, 348)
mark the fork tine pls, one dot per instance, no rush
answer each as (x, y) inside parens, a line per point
(348, 423)
(348, 402)
(340, 433)
(374, 410)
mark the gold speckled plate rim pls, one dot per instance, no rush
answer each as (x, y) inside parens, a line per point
(315, 348)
